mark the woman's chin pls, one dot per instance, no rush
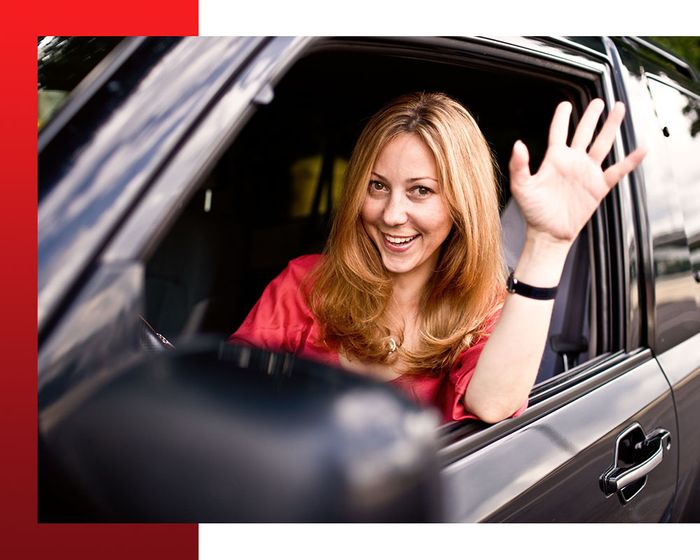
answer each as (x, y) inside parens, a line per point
(399, 264)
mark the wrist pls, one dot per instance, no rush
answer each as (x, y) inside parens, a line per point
(542, 260)
(515, 286)
(545, 242)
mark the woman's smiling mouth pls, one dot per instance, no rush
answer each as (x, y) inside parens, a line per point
(398, 243)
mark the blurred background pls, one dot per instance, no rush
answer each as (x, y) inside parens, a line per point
(685, 47)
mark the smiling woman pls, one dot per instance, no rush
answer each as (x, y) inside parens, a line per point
(412, 281)
(423, 306)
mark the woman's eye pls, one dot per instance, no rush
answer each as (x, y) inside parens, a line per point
(421, 192)
(377, 186)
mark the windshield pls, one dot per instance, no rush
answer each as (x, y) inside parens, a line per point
(62, 63)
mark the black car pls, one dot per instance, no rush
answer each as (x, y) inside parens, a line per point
(178, 176)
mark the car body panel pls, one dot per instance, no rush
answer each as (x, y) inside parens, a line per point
(684, 377)
(535, 473)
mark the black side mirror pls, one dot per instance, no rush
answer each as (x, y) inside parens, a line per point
(235, 434)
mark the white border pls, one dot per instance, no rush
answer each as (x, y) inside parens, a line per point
(442, 541)
(447, 17)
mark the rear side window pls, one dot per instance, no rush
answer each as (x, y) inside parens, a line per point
(679, 116)
(672, 181)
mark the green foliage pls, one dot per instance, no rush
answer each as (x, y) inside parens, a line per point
(688, 48)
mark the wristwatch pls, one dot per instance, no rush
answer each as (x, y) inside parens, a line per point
(515, 286)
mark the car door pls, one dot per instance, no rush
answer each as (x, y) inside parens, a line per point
(546, 466)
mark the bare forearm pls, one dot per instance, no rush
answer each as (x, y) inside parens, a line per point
(555, 202)
(508, 365)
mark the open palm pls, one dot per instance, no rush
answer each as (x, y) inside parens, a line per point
(560, 198)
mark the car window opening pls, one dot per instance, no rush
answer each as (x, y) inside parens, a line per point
(270, 197)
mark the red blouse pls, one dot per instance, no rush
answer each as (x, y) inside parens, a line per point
(282, 321)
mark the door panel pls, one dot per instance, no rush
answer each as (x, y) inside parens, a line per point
(548, 470)
(681, 365)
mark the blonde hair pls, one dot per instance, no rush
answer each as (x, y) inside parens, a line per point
(351, 289)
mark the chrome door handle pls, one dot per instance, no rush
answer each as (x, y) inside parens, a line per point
(636, 455)
(624, 477)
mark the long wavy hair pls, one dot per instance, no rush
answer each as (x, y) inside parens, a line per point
(350, 290)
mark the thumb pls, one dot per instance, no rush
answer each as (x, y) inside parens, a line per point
(519, 165)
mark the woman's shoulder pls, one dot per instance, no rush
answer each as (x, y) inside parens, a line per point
(298, 269)
(304, 263)
(281, 318)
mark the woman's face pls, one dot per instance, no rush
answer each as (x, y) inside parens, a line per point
(404, 211)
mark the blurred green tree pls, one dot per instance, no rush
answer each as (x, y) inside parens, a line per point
(687, 48)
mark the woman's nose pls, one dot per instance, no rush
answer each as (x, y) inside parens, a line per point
(395, 211)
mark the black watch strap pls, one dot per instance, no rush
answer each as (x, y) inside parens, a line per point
(515, 286)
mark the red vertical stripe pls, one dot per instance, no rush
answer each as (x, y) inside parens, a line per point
(22, 537)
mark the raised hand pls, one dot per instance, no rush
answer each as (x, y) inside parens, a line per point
(560, 198)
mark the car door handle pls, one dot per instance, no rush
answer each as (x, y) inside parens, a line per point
(636, 455)
(620, 478)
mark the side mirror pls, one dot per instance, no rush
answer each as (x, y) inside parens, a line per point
(235, 434)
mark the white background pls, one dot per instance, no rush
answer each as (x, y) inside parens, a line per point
(448, 17)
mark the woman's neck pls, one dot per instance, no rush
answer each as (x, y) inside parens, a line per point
(408, 290)
(404, 308)
(403, 314)
(405, 300)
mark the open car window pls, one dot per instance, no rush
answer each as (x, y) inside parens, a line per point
(269, 198)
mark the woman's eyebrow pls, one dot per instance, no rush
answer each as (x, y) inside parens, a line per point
(411, 180)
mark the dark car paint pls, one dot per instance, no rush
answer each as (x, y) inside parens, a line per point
(525, 469)
(556, 459)
(92, 169)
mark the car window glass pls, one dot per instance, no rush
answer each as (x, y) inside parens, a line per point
(62, 63)
(679, 113)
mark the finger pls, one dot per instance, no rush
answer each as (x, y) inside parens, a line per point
(615, 173)
(519, 165)
(586, 127)
(559, 129)
(603, 143)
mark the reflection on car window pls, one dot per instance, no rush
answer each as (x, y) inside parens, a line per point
(679, 113)
(62, 63)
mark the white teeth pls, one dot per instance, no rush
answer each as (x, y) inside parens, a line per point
(399, 240)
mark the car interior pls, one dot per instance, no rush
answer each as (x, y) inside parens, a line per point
(271, 196)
